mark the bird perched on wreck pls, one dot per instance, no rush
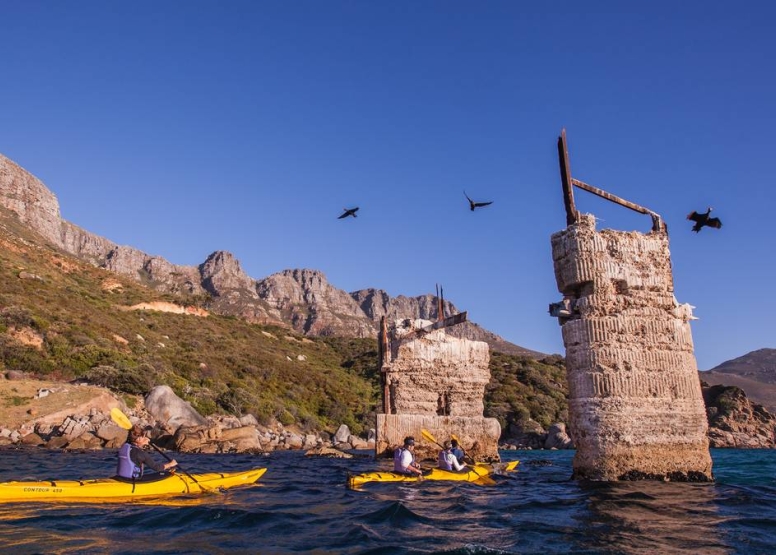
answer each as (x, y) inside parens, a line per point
(703, 220)
(348, 212)
(473, 205)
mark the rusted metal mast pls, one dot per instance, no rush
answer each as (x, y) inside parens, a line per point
(568, 190)
(385, 355)
(440, 303)
(565, 177)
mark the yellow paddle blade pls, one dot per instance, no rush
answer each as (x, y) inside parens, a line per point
(120, 418)
(426, 434)
(455, 437)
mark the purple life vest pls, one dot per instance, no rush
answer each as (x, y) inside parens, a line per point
(443, 463)
(126, 468)
(397, 456)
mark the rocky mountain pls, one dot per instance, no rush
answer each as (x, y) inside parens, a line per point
(759, 365)
(735, 421)
(754, 372)
(299, 299)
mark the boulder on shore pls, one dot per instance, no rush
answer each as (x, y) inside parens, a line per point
(165, 406)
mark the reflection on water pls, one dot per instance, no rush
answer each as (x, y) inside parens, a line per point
(652, 517)
(303, 505)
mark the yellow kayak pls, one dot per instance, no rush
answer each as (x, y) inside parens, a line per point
(110, 489)
(478, 473)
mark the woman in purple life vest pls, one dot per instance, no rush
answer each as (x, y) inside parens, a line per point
(133, 459)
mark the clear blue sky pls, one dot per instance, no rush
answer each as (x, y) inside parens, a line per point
(185, 127)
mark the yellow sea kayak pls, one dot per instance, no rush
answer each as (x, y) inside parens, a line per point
(478, 473)
(110, 489)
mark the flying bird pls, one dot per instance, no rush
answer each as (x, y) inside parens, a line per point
(703, 220)
(473, 205)
(348, 212)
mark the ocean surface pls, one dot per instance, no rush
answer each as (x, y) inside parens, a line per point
(302, 505)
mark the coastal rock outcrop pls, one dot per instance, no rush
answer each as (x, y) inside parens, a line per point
(79, 417)
(734, 421)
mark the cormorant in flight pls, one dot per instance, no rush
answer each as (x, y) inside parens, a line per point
(473, 205)
(348, 212)
(703, 220)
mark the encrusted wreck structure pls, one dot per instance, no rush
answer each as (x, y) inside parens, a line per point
(635, 403)
(436, 382)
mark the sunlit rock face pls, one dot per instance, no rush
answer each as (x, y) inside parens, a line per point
(36, 206)
(635, 402)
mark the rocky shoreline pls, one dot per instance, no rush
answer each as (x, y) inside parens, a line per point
(77, 417)
(171, 423)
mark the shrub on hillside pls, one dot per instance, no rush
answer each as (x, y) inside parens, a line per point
(135, 381)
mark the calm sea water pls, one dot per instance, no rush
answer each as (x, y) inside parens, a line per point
(302, 505)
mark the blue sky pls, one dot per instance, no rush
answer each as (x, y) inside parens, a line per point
(182, 128)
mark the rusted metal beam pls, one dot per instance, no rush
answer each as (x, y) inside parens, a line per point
(444, 323)
(657, 221)
(565, 177)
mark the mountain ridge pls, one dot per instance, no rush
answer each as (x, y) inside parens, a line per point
(299, 299)
(753, 372)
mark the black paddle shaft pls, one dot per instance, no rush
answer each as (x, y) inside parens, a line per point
(166, 456)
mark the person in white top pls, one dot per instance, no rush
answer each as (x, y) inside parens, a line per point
(404, 458)
(448, 460)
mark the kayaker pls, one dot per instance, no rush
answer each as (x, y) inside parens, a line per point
(448, 460)
(133, 459)
(404, 458)
(459, 453)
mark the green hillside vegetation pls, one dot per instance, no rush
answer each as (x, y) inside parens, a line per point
(219, 364)
(523, 389)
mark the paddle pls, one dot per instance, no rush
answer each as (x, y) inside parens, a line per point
(123, 421)
(465, 456)
(426, 434)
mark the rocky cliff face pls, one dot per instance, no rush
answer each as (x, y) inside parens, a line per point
(734, 421)
(299, 299)
(23, 193)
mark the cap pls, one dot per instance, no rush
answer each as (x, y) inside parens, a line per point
(409, 440)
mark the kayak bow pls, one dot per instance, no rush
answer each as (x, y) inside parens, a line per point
(111, 489)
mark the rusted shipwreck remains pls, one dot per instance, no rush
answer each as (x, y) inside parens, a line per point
(635, 403)
(434, 381)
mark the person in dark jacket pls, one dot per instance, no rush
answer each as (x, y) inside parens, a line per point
(457, 450)
(133, 459)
